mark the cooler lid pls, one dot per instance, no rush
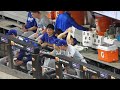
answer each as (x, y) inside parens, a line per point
(108, 47)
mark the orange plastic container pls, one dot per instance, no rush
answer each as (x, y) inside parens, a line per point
(78, 16)
(51, 15)
(108, 54)
(60, 12)
(102, 24)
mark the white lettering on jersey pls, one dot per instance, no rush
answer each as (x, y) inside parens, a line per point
(30, 19)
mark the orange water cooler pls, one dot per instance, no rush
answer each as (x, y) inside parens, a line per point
(108, 53)
(78, 16)
(60, 12)
(54, 14)
(51, 15)
(102, 24)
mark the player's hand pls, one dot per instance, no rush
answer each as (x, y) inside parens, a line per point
(24, 30)
(56, 59)
(44, 44)
(33, 59)
(18, 62)
(12, 43)
(23, 26)
(43, 31)
(69, 30)
(35, 35)
(39, 30)
(84, 68)
(112, 77)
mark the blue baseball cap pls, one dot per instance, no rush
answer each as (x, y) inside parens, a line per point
(12, 32)
(61, 43)
(56, 41)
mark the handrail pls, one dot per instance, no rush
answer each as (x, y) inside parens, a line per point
(87, 65)
(20, 44)
(67, 60)
(15, 40)
(37, 65)
(46, 48)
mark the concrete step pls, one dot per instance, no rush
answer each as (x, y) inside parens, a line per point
(7, 76)
(16, 15)
(8, 73)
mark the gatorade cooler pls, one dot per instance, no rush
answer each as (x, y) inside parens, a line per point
(108, 53)
(102, 24)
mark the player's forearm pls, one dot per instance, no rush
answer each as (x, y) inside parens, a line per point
(40, 42)
(61, 35)
(51, 45)
(32, 28)
(68, 38)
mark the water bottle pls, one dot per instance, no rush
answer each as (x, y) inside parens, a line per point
(118, 33)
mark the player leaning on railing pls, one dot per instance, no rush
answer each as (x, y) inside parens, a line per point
(12, 33)
(69, 51)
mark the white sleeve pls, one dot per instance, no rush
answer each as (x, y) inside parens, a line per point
(71, 51)
(45, 21)
(83, 60)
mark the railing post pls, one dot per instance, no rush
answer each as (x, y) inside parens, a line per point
(59, 73)
(36, 65)
(82, 72)
(10, 55)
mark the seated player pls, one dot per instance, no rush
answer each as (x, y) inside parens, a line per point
(48, 38)
(12, 33)
(24, 57)
(58, 32)
(30, 26)
(56, 51)
(42, 22)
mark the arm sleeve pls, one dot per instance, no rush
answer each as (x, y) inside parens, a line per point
(29, 58)
(35, 23)
(43, 38)
(72, 21)
(20, 56)
(53, 52)
(27, 16)
(71, 52)
(83, 60)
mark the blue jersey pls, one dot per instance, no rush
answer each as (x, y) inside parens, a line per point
(48, 39)
(26, 56)
(30, 22)
(64, 21)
